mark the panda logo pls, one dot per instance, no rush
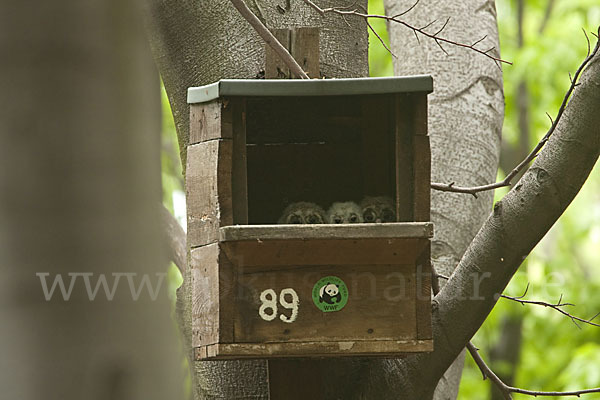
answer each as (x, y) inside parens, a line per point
(330, 294)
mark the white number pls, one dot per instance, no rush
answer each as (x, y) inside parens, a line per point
(269, 302)
(290, 306)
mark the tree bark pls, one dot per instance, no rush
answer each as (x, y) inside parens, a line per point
(79, 184)
(466, 111)
(197, 43)
(516, 225)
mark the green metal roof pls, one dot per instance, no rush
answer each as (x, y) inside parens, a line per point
(309, 87)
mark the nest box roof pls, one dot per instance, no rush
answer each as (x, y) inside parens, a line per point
(309, 87)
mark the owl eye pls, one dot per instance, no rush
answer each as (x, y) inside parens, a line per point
(313, 219)
(369, 215)
(353, 218)
(337, 220)
(388, 215)
(295, 219)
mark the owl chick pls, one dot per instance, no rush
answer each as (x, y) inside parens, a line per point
(344, 213)
(378, 209)
(302, 212)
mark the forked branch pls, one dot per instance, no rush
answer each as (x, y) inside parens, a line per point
(452, 187)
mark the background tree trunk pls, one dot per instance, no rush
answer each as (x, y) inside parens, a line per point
(466, 111)
(79, 185)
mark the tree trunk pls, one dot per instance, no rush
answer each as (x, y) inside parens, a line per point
(79, 184)
(196, 43)
(466, 111)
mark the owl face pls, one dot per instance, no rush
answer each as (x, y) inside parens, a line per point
(378, 209)
(302, 213)
(344, 213)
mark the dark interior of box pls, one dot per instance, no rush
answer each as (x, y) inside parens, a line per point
(323, 150)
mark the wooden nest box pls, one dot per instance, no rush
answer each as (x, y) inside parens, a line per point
(263, 289)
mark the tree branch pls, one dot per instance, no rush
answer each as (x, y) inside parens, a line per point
(451, 187)
(519, 299)
(516, 225)
(269, 39)
(506, 390)
(557, 307)
(422, 30)
(485, 369)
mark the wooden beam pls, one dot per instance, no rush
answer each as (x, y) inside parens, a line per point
(397, 230)
(209, 194)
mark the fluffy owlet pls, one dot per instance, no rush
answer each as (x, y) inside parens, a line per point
(344, 213)
(378, 209)
(302, 212)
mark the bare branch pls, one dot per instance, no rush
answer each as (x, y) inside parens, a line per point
(409, 9)
(268, 37)
(557, 306)
(488, 373)
(396, 19)
(443, 27)
(380, 39)
(450, 187)
(480, 40)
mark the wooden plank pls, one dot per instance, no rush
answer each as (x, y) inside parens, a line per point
(208, 184)
(404, 158)
(382, 348)
(275, 68)
(420, 113)
(239, 169)
(262, 254)
(305, 49)
(422, 179)
(380, 305)
(423, 290)
(422, 230)
(205, 122)
(378, 164)
(212, 296)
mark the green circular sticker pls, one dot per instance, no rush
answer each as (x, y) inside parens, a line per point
(330, 294)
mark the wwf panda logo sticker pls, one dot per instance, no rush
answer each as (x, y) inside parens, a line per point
(330, 294)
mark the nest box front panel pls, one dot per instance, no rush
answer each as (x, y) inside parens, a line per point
(379, 304)
(261, 289)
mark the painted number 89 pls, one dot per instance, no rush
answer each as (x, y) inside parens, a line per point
(268, 308)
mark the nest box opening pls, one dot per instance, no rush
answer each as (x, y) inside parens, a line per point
(323, 150)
